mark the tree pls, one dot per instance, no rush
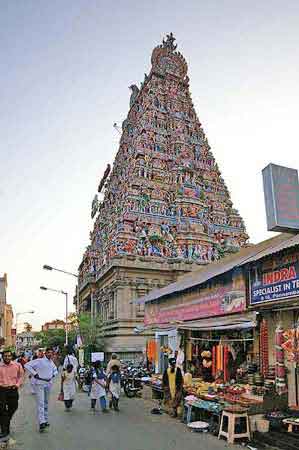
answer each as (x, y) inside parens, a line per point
(91, 331)
(54, 338)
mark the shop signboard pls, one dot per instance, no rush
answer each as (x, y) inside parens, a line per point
(274, 280)
(218, 300)
(281, 190)
(97, 356)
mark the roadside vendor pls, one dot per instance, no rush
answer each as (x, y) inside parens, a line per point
(173, 386)
(206, 368)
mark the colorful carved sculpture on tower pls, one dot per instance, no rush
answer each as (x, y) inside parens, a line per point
(164, 197)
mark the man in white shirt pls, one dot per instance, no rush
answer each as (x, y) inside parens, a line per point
(71, 359)
(43, 370)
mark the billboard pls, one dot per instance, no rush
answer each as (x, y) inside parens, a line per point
(217, 300)
(281, 190)
(275, 280)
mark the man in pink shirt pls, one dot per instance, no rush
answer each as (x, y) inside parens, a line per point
(11, 378)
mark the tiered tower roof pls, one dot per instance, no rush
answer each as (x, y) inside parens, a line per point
(164, 197)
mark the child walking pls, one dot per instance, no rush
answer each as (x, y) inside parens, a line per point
(98, 387)
(114, 387)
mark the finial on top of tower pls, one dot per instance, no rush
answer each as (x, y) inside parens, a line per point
(169, 42)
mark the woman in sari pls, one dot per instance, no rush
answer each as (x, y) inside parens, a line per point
(173, 386)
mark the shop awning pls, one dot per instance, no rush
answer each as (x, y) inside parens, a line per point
(245, 256)
(234, 322)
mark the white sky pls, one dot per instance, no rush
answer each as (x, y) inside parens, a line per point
(65, 71)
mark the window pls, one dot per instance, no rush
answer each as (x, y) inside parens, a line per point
(140, 310)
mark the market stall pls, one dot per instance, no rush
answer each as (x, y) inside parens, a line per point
(241, 352)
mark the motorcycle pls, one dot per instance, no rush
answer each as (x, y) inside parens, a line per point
(134, 380)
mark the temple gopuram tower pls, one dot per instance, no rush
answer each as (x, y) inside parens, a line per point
(165, 210)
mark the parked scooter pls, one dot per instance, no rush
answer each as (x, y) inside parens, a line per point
(134, 380)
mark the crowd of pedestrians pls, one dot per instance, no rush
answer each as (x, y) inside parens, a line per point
(99, 383)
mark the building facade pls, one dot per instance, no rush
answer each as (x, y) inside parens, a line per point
(54, 325)
(165, 211)
(26, 341)
(8, 324)
(6, 315)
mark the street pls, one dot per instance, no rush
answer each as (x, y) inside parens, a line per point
(134, 428)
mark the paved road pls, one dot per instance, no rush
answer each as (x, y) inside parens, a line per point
(134, 428)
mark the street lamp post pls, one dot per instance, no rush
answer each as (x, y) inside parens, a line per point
(47, 267)
(17, 315)
(43, 288)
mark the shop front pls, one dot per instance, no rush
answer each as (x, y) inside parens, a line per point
(220, 349)
(237, 336)
(274, 293)
(215, 343)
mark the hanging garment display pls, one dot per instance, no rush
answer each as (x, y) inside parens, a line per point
(291, 344)
(280, 380)
(264, 348)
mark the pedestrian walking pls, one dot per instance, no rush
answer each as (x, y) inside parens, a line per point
(43, 370)
(114, 361)
(98, 387)
(114, 387)
(11, 378)
(71, 359)
(68, 379)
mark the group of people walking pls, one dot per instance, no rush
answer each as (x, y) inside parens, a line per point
(106, 382)
(42, 371)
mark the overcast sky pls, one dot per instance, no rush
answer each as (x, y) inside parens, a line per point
(65, 69)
